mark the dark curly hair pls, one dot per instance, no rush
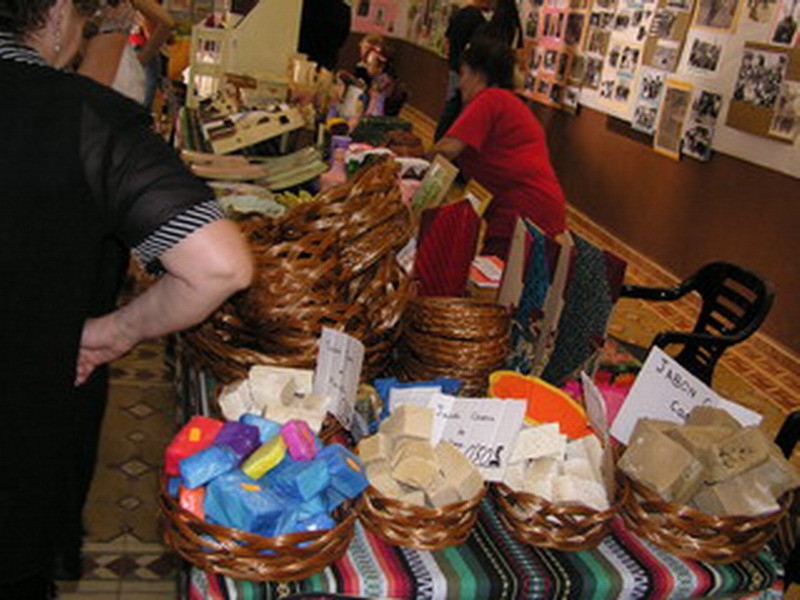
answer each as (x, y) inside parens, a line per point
(491, 58)
(24, 16)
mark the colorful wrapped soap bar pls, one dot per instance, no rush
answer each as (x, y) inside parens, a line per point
(266, 457)
(243, 439)
(198, 434)
(173, 486)
(320, 522)
(311, 508)
(333, 499)
(266, 429)
(300, 440)
(235, 500)
(200, 468)
(346, 471)
(303, 480)
(193, 500)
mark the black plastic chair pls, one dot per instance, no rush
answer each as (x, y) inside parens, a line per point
(735, 303)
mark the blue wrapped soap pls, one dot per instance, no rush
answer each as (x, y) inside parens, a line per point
(266, 429)
(384, 388)
(239, 437)
(333, 499)
(311, 508)
(173, 486)
(320, 522)
(301, 480)
(235, 500)
(346, 471)
(198, 469)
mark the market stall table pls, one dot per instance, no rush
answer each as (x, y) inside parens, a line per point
(492, 565)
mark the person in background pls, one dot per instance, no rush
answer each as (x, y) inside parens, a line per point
(83, 175)
(504, 26)
(155, 28)
(370, 55)
(324, 27)
(464, 22)
(497, 141)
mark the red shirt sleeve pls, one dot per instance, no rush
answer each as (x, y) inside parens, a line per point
(474, 124)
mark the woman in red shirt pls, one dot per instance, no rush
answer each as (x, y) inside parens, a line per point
(499, 142)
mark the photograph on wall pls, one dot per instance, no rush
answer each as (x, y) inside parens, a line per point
(699, 131)
(602, 20)
(677, 99)
(577, 70)
(716, 14)
(563, 66)
(704, 53)
(787, 22)
(786, 121)
(651, 90)
(532, 25)
(571, 98)
(597, 42)
(574, 29)
(760, 77)
(662, 23)
(666, 55)
(759, 11)
(594, 73)
(684, 5)
(629, 60)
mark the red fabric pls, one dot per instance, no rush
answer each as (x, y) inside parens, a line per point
(507, 154)
(446, 245)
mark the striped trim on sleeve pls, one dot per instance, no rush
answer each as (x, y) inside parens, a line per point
(175, 230)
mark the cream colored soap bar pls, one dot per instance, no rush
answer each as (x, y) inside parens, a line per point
(415, 497)
(776, 475)
(735, 497)
(579, 468)
(569, 490)
(514, 476)
(744, 450)
(708, 415)
(541, 487)
(409, 421)
(662, 464)
(375, 447)
(697, 438)
(235, 400)
(406, 447)
(387, 486)
(458, 470)
(538, 442)
(543, 468)
(415, 472)
(441, 493)
(303, 379)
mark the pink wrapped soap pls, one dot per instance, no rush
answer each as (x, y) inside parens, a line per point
(300, 441)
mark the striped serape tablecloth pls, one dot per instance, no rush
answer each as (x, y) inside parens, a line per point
(491, 565)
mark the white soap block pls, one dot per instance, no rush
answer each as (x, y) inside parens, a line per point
(594, 451)
(271, 390)
(387, 486)
(303, 378)
(458, 470)
(408, 420)
(281, 414)
(407, 447)
(542, 468)
(441, 493)
(540, 487)
(514, 477)
(235, 400)
(316, 403)
(569, 490)
(416, 497)
(415, 472)
(538, 442)
(579, 468)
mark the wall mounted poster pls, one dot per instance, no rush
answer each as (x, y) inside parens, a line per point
(677, 99)
(651, 89)
(786, 121)
(758, 11)
(716, 14)
(699, 130)
(759, 95)
(704, 51)
(786, 30)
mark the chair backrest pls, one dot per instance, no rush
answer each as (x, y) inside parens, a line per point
(735, 303)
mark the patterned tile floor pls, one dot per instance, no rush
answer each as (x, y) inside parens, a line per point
(124, 558)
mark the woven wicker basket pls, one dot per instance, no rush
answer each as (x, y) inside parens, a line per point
(689, 533)
(418, 527)
(243, 555)
(535, 521)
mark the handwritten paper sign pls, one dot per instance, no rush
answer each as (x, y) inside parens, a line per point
(667, 391)
(338, 372)
(484, 429)
(595, 408)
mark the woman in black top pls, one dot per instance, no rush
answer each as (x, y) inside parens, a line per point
(82, 175)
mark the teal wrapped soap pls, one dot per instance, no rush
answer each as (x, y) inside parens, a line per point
(346, 471)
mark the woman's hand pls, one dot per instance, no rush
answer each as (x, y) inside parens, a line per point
(102, 341)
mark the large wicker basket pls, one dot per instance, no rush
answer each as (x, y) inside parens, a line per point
(535, 521)
(418, 527)
(242, 555)
(689, 533)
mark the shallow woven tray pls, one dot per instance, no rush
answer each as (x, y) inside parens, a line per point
(459, 318)
(418, 527)
(689, 533)
(535, 521)
(242, 555)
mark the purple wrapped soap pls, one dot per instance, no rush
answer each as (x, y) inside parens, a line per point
(243, 439)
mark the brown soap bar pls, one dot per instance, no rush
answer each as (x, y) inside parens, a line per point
(458, 470)
(409, 421)
(776, 474)
(662, 464)
(407, 447)
(415, 472)
(697, 438)
(708, 415)
(374, 448)
(735, 497)
(416, 497)
(441, 493)
(744, 450)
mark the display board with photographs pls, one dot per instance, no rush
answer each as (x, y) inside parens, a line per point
(674, 108)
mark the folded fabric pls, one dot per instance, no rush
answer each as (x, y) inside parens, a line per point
(266, 429)
(346, 471)
(243, 439)
(235, 500)
(196, 435)
(445, 249)
(198, 469)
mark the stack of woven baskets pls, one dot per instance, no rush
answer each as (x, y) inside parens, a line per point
(463, 338)
(327, 263)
